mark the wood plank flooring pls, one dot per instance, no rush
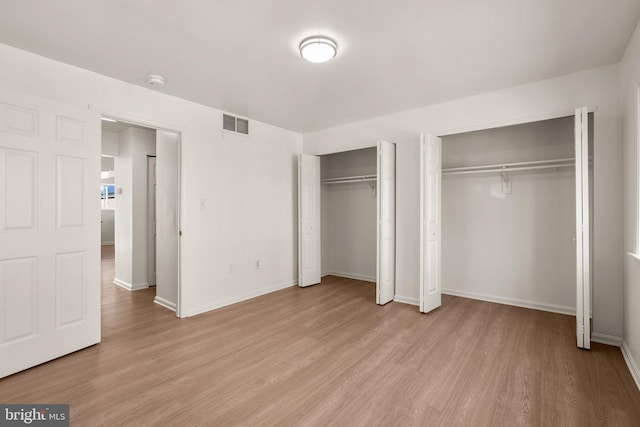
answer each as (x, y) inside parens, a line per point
(327, 355)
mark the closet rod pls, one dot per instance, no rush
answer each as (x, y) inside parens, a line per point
(508, 165)
(506, 169)
(347, 179)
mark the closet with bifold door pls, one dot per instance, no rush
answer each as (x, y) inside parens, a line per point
(346, 207)
(506, 216)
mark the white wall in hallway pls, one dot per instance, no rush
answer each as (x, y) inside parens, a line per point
(109, 143)
(131, 206)
(107, 230)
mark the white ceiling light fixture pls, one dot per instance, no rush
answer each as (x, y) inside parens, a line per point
(318, 49)
(155, 80)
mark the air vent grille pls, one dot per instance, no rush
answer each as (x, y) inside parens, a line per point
(242, 126)
(228, 122)
(235, 124)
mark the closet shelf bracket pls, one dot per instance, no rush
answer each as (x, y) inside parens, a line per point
(506, 181)
(372, 184)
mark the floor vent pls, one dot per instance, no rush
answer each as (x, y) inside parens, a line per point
(235, 124)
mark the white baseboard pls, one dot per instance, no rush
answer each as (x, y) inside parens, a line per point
(606, 339)
(631, 363)
(407, 300)
(512, 301)
(165, 303)
(128, 286)
(350, 276)
(108, 243)
(240, 298)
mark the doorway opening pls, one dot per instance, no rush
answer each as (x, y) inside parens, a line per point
(140, 208)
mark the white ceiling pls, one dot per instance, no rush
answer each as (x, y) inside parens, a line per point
(241, 55)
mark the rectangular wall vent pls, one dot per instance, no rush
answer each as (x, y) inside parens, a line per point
(235, 124)
(242, 126)
(228, 122)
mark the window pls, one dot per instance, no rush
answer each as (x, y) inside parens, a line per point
(107, 196)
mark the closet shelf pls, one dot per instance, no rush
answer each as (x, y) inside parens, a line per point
(348, 179)
(510, 167)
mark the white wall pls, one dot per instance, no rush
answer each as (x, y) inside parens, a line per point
(519, 104)
(109, 143)
(144, 144)
(131, 206)
(249, 182)
(349, 216)
(107, 230)
(630, 75)
(123, 218)
(517, 247)
(107, 163)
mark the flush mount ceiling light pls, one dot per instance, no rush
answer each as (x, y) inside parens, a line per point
(318, 49)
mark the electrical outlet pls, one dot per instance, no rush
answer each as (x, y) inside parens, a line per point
(232, 268)
(203, 204)
(257, 264)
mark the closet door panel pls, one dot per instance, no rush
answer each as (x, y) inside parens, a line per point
(386, 271)
(309, 267)
(583, 228)
(431, 225)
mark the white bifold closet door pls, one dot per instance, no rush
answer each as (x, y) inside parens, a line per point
(49, 230)
(583, 228)
(430, 222)
(309, 237)
(386, 248)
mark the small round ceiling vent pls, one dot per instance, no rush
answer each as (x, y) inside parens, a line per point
(155, 80)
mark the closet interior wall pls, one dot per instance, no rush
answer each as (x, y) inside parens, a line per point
(349, 215)
(515, 248)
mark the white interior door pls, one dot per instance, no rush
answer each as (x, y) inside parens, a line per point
(167, 220)
(309, 237)
(151, 220)
(430, 222)
(583, 228)
(386, 268)
(49, 230)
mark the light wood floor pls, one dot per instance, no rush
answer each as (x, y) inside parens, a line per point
(327, 355)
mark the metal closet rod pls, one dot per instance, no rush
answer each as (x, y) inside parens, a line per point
(348, 179)
(502, 165)
(510, 167)
(507, 169)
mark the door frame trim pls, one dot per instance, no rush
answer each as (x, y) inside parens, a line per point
(167, 127)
